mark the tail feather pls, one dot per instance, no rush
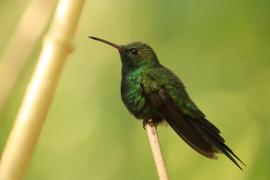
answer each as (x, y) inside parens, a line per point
(219, 143)
(200, 134)
(187, 132)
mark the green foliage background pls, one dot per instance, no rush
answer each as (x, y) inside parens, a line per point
(221, 51)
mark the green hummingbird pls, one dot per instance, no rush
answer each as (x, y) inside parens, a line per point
(152, 92)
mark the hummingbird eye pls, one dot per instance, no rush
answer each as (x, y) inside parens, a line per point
(134, 51)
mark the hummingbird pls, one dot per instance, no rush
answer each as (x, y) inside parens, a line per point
(153, 93)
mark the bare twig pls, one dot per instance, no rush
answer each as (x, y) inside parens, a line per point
(21, 44)
(36, 103)
(156, 150)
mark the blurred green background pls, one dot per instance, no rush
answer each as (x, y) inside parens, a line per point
(221, 51)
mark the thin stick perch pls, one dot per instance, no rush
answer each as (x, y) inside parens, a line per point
(156, 150)
(39, 95)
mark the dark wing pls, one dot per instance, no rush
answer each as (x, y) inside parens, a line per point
(165, 93)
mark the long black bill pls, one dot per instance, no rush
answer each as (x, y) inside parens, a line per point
(106, 42)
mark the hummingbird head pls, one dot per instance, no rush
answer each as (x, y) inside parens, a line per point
(134, 55)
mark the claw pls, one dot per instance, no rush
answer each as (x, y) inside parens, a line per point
(149, 121)
(144, 123)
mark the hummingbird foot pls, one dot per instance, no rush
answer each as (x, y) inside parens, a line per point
(149, 121)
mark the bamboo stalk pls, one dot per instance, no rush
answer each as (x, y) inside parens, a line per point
(31, 116)
(22, 43)
(156, 151)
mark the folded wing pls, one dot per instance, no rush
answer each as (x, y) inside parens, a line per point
(164, 92)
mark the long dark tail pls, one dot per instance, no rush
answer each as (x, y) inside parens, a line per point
(200, 134)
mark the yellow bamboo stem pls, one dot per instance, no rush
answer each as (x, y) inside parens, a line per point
(22, 43)
(156, 151)
(31, 116)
